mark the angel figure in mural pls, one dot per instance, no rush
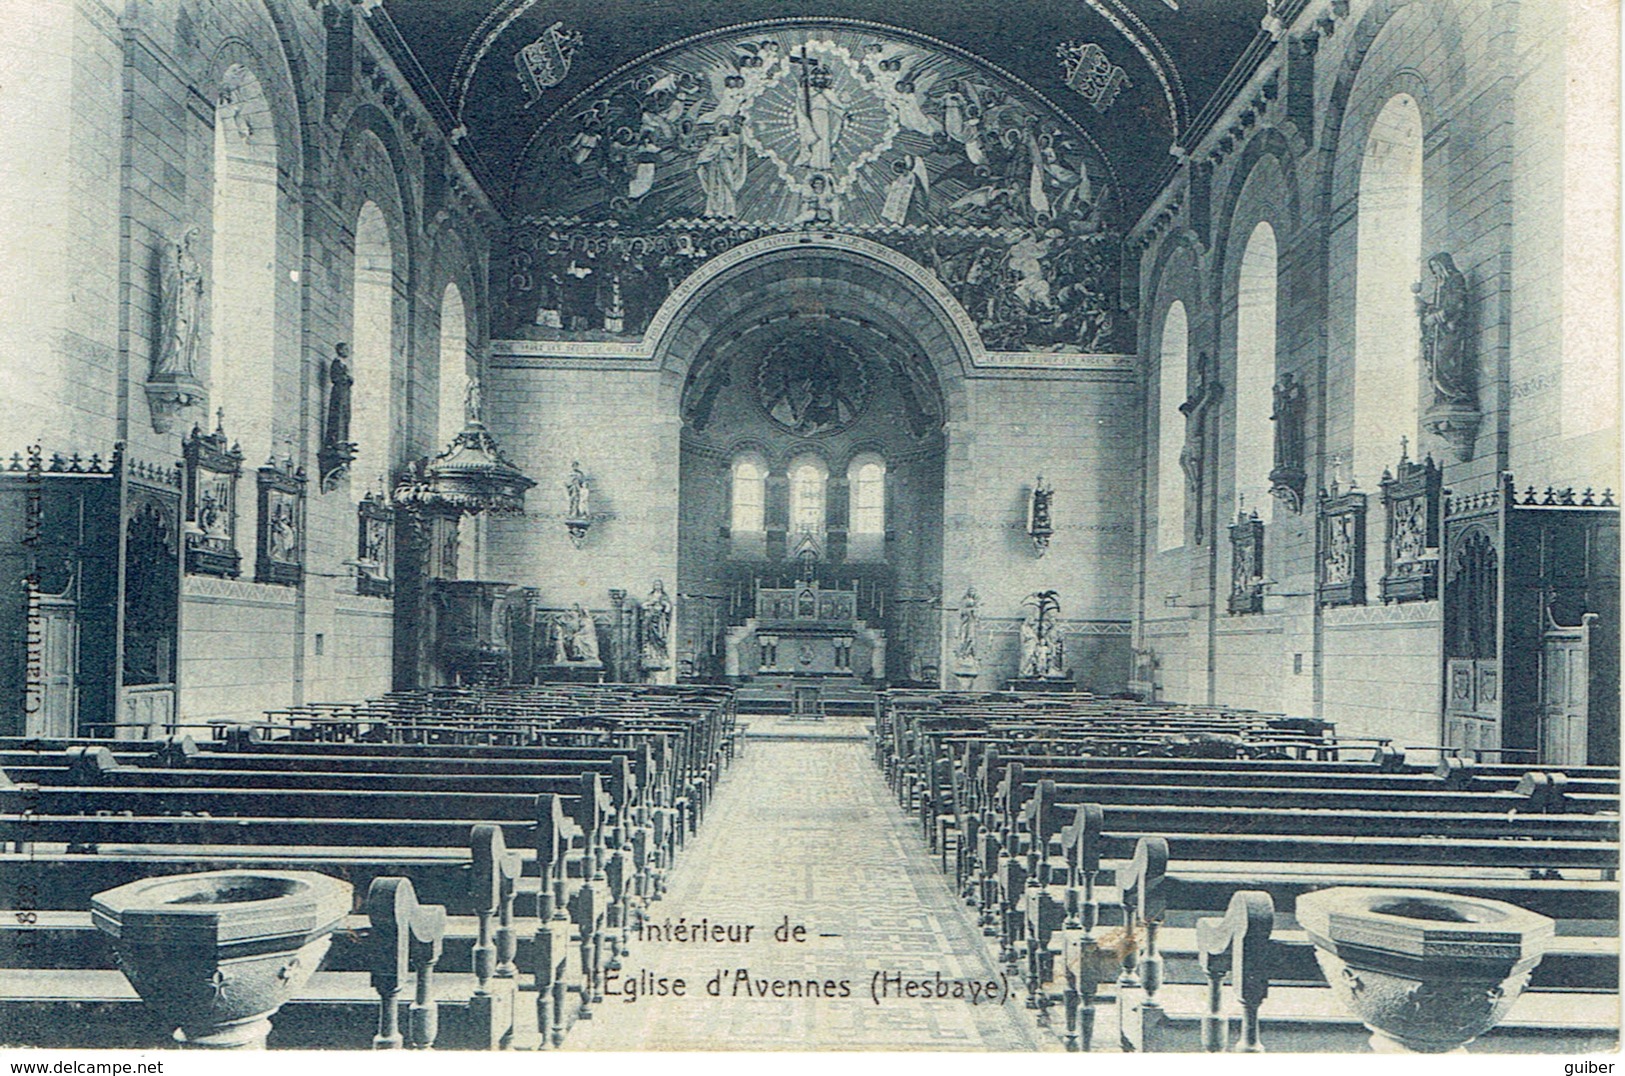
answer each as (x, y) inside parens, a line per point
(1444, 333)
(182, 307)
(962, 120)
(819, 205)
(656, 650)
(893, 68)
(1070, 183)
(734, 86)
(723, 165)
(907, 174)
(821, 118)
(1027, 256)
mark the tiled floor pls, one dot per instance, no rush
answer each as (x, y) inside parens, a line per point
(807, 830)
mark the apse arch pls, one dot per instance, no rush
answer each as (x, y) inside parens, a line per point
(849, 274)
(900, 364)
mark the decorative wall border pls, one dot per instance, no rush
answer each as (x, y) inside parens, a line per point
(1408, 614)
(634, 354)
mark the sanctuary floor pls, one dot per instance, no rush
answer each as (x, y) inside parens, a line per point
(805, 830)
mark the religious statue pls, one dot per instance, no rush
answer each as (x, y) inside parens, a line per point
(575, 637)
(284, 535)
(580, 492)
(657, 610)
(1444, 334)
(1287, 477)
(1204, 394)
(172, 382)
(965, 635)
(337, 450)
(336, 430)
(1453, 414)
(722, 166)
(1041, 643)
(182, 307)
(473, 404)
(1040, 520)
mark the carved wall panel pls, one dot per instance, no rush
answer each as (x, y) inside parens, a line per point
(1342, 547)
(375, 547)
(1246, 564)
(212, 471)
(1410, 498)
(280, 545)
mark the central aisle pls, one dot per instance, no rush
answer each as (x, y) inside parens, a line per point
(808, 830)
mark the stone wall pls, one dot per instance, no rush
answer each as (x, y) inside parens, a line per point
(116, 126)
(1494, 83)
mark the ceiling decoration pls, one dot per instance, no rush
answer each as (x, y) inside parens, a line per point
(1171, 54)
(785, 126)
(811, 384)
(817, 376)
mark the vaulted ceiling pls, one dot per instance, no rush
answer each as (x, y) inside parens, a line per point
(1173, 55)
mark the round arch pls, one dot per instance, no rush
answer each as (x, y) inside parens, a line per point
(826, 275)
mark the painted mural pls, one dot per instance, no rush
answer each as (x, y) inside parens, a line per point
(640, 181)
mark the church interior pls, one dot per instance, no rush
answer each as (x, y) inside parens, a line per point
(1095, 522)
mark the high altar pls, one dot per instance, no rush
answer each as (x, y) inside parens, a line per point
(806, 630)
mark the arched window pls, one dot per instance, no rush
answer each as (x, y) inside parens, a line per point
(808, 476)
(1255, 371)
(866, 478)
(243, 287)
(1387, 262)
(453, 365)
(866, 500)
(749, 494)
(372, 350)
(1171, 428)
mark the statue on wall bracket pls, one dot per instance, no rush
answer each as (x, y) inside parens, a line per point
(578, 517)
(1447, 355)
(1288, 477)
(337, 451)
(1040, 515)
(172, 382)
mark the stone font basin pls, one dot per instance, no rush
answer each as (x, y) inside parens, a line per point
(215, 954)
(1426, 972)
